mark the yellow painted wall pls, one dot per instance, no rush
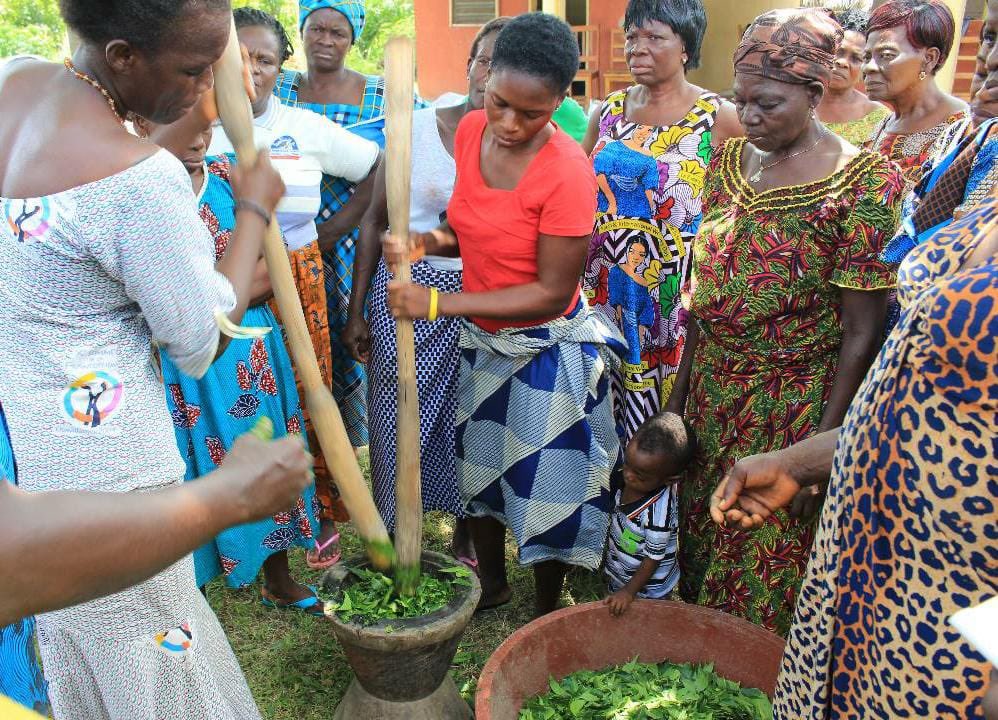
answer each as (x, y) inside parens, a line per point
(554, 7)
(947, 74)
(726, 19)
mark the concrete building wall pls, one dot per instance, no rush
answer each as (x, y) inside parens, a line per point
(442, 49)
(726, 20)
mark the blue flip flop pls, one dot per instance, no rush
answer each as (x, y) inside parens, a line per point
(310, 605)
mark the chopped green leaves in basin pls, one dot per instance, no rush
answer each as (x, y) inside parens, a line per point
(373, 597)
(639, 691)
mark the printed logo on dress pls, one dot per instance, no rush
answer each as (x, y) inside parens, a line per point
(176, 641)
(92, 399)
(28, 219)
(284, 148)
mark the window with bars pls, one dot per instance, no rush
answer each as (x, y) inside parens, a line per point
(472, 12)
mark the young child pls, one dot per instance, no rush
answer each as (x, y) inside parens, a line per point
(641, 555)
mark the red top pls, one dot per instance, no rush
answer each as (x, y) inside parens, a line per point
(498, 230)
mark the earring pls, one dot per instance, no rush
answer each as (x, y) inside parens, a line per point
(922, 75)
(685, 58)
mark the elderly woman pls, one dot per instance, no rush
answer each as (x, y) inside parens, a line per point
(908, 42)
(105, 239)
(650, 146)
(788, 304)
(962, 172)
(906, 537)
(329, 28)
(535, 437)
(844, 109)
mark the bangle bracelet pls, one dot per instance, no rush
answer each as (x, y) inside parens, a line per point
(434, 304)
(253, 207)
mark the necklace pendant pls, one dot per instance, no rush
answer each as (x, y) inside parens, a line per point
(757, 176)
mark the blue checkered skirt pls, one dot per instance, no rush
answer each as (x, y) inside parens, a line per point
(536, 441)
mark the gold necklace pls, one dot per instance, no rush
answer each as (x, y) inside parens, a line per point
(757, 176)
(96, 86)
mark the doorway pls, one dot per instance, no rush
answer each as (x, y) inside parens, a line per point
(576, 11)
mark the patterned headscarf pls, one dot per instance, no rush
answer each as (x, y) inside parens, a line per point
(793, 46)
(352, 10)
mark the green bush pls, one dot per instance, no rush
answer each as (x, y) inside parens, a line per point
(34, 26)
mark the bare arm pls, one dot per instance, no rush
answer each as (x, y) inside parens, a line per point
(559, 267)
(726, 126)
(621, 600)
(759, 485)
(440, 241)
(863, 316)
(242, 261)
(592, 131)
(681, 389)
(62, 548)
(349, 216)
(356, 335)
(261, 290)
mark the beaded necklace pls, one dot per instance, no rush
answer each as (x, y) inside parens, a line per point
(97, 86)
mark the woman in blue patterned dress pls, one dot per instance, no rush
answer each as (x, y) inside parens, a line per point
(329, 29)
(650, 146)
(20, 674)
(253, 378)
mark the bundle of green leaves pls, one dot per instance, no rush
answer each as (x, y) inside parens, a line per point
(639, 691)
(373, 597)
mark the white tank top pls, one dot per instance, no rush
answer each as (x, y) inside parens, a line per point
(433, 173)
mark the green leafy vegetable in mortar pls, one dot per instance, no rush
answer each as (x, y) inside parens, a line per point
(374, 598)
(639, 691)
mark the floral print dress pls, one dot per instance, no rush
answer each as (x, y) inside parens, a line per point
(907, 534)
(250, 380)
(770, 268)
(910, 151)
(640, 252)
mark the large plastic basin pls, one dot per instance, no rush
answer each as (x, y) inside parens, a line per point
(587, 637)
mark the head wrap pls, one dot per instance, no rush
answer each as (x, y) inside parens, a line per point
(792, 46)
(352, 10)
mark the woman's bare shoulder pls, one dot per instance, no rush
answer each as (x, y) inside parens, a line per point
(64, 135)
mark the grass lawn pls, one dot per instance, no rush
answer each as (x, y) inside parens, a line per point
(296, 668)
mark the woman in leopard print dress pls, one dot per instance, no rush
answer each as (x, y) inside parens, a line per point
(907, 536)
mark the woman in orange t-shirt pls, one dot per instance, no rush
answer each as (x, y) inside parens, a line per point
(535, 434)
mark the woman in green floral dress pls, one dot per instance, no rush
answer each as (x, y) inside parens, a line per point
(789, 300)
(845, 110)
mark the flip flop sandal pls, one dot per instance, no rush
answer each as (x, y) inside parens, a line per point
(316, 553)
(310, 605)
(472, 563)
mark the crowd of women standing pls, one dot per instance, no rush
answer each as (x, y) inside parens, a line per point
(734, 263)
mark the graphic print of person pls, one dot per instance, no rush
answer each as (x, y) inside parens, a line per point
(92, 410)
(23, 217)
(630, 299)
